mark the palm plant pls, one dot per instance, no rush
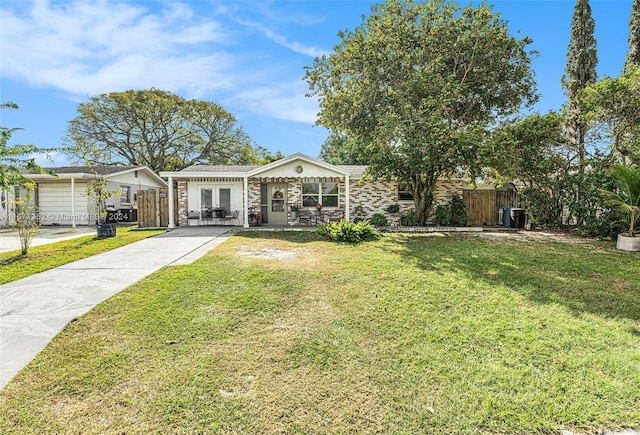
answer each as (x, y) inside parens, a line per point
(627, 197)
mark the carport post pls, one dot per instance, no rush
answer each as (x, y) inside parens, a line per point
(347, 197)
(172, 224)
(246, 202)
(73, 202)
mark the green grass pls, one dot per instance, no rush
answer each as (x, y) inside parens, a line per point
(14, 266)
(408, 334)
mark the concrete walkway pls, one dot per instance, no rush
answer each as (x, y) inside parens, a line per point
(35, 309)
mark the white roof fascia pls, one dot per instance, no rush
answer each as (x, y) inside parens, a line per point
(294, 157)
(203, 174)
(66, 176)
(138, 168)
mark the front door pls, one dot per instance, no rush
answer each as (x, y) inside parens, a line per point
(277, 195)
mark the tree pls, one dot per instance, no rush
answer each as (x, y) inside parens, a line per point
(340, 149)
(157, 129)
(580, 71)
(417, 84)
(615, 103)
(532, 152)
(633, 55)
(16, 159)
(26, 220)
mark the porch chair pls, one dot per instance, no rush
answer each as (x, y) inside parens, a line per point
(304, 218)
(231, 217)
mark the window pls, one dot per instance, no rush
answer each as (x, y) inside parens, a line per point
(125, 195)
(404, 193)
(323, 193)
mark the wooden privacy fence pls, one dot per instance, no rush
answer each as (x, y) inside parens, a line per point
(484, 206)
(481, 207)
(153, 208)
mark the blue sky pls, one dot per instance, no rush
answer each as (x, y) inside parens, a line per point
(249, 56)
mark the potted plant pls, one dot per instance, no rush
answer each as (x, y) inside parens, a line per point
(626, 199)
(293, 208)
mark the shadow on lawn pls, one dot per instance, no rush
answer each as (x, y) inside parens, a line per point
(601, 283)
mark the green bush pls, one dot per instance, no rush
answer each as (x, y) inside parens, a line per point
(393, 208)
(443, 215)
(349, 232)
(458, 211)
(378, 219)
(453, 213)
(409, 218)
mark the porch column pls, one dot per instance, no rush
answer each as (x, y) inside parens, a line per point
(172, 223)
(73, 202)
(246, 202)
(347, 197)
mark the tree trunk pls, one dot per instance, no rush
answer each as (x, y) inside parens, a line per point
(422, 189)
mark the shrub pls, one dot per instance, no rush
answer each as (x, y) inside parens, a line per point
(378, 219)
(393, 208)
(409, 218)
(348, 231)
(443, 215)
(458, 211)
(452, 214)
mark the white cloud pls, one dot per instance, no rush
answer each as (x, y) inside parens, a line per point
(88, 48)
(287, 102)
(281, 40)
(50, 160)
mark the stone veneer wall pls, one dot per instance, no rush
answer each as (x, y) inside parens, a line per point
(183, 211)
(376, 196)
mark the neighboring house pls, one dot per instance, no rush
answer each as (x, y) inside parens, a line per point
(266, 194)
(63, 199)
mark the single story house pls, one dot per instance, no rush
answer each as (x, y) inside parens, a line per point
(270, 194)
(63, 199)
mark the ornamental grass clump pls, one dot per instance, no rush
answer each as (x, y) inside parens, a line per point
(349, 232)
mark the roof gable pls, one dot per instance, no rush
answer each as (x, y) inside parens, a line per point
(295, 165)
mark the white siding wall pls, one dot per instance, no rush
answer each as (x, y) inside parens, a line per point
(193, 195)
(143, 181)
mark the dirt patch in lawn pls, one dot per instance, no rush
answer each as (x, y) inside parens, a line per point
(269, 253)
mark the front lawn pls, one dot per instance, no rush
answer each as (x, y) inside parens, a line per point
(285, 333)
(14, 266)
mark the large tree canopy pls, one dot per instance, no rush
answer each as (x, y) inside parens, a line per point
(340, 149)
(158, 129)
(15, 159)
(417, 84)
(633, 54)
(615, 103)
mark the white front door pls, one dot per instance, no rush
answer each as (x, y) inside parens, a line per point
(277, 195)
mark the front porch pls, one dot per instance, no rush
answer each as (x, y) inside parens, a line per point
(295, 191)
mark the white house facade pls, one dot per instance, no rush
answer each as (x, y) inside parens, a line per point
(295, 190)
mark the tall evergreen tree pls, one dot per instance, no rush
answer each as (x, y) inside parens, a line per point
(633, 55)
(580, 71)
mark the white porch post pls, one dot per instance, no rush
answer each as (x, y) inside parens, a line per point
(246, 202)
(347, 197)
(73, 202)
(172, 223)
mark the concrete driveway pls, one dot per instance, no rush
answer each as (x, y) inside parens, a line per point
(35, 309)
(9, 238)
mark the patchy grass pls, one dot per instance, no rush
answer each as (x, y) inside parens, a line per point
(14, 266)
(408, 334)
